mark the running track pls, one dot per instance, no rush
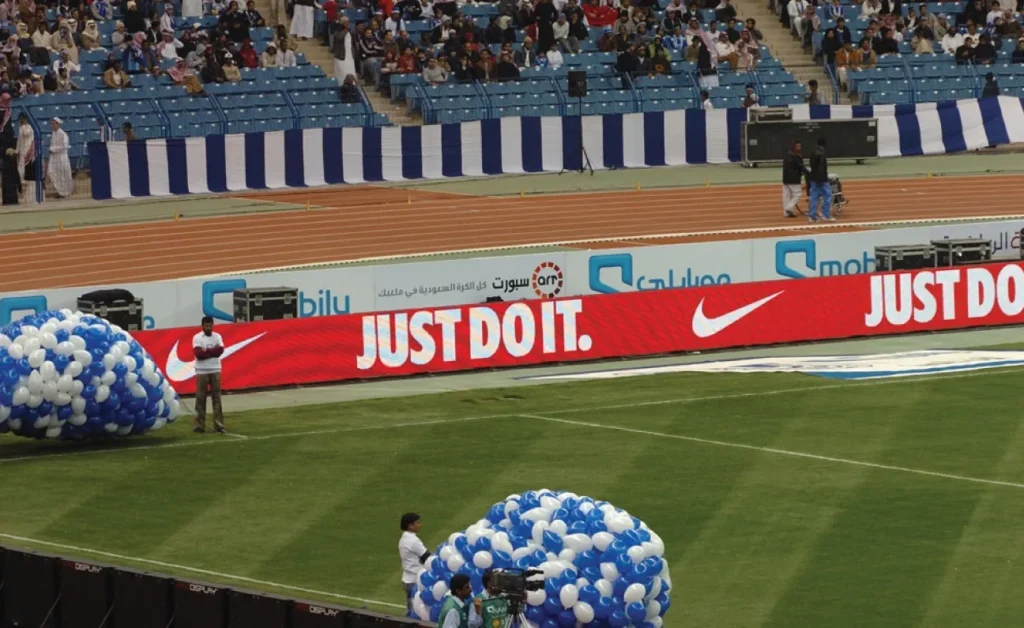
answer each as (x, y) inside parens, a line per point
(359, 223)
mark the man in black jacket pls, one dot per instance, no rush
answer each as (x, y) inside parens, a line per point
(820, 189)
(793, 173)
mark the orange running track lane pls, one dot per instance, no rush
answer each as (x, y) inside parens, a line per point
(365, 222)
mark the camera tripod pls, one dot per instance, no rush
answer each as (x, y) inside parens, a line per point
(515, 618)
(585, 164)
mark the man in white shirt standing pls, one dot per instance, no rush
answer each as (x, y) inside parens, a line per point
(208, 346)
(413, 553)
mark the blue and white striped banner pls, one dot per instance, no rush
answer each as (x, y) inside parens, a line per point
(312, 157)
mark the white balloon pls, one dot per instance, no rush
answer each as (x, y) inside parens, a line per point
(102, 393)
(29, 331)
(108, 378)
(16, 352)
(4, 341)
(62, 399)
(48, 370)
(659, 545)
(14, 424)
(65, 383)
(138, 391)
(602, 540)
(122, 345)
(536, 598)
(124, 430)
(635, 553)
(42, 422)
(21, 396)
(129, 363)
(117, 354)
(420, 608)
(76, 388)
(510, 505)
(455, 562)
(440, 589)
(48, 341)
(160, 410)
(77, 419)
(619, 524)
(586, 507)
(36, 357)
(32, 345)
(521, 552)
(472, 534)
(500, 543)
(567, 555)
(483, 560)
(538, 514)
(48, 327)
(176, 412)
(550, 503)
(5, 413)
(55, 421)
(569, 595)
(634, 593)
(20, 340)
(605, 587)
(35, 383)
(169, 397)
(584, 612)
(609, 572)
(655, 587)
(538, 531)
(64, 348)
(445, 553)
(552, 556)
(653, 609)
(658, 622)
(159, 423)
(77, 341)
(78, 405)
(578, 542)
(82, 356)
(109, 361)
(65, 325)
(558, 527)
(110, 427)
(53, 432)
(50, 391)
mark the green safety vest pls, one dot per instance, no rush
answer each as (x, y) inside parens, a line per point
(493, 610)
(451, 602)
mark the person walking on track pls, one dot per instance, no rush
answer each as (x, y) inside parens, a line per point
(793, 173)
(820, 190)
(208, 346)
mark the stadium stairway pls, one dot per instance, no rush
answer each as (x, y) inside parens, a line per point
(785, 47)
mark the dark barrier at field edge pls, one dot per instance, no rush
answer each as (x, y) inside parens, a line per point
(53, 592)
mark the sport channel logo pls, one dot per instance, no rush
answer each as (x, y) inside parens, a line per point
(12, 308)
(623, 263)
(791, 254)
(325, 303)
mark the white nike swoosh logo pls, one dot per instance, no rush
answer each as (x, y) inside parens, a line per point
(704, 327)
(178, 371)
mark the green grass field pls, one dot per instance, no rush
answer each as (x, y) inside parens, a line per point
(783, 500)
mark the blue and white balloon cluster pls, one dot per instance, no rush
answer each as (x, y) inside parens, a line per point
(73, 376)
(602, 567)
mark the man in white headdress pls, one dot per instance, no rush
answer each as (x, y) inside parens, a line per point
(59, 165)
(343, 49)
(26, 149)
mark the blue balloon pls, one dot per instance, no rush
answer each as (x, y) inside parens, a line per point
(596, 525)
(567, 618)
(552, 606)
(552, 542)
(624, 563)
(617, 619)
(22, 366)
(578, 527)
(6, 361)
(62, 335)
(534, 614)
(636, 612)
(89, 392)
(502, 560)
(589, 594)
(483, 544)
(664, 600)
(61, 362)
(427, 596)
(45, 408)
(6, 395)
(97, 369)
(603, 607)
(11, 376)
(619, 587)
(592, 574)
(549, 623)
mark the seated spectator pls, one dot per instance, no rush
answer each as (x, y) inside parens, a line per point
(349, 90)
(560, 32)
(755, 33)
(64, 62)
(64, 82)
(464, 68)
(865, 57)
(887, 44)
(506, 70)
(726, 52)
(641, 37)
(185, 77)
(952, 41)
(269, 57)
(433, 73)
(101, 10)
(628, 62)
(555, 59)
(390, 45)
(578, 31)
(115, 77)
(404, 41)
(991, 89)
(705, 101)
(394, 23)
(286, 55)
(210, 71)
(607, 41)
(870, 9)
(370, 51)
(692, 52)
(920, 44)
(90, 37)
(42, 38)
(623, 40)
(813, 96)
(247, 57)
(486, 66)
(1018, 52)
(231, 72)
(1007, 27)
(985, 52)
(442, 32)
(168, 46)
(748, 51)
(406, 63)
(676, 42)
(965, 53)
(751, 100)
(64, 39)
(844, 60)
(524, 57)
(256, 20)
(599, 15)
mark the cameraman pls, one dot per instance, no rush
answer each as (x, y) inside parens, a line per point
(454, 611)
(489, 609)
